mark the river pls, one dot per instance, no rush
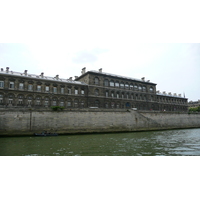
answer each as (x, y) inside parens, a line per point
(181, 142)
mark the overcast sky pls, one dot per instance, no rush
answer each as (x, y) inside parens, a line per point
(152, 40)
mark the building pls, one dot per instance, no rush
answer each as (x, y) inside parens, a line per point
(90, 89)
(194, 104)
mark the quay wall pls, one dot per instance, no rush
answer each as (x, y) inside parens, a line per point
(27, 122)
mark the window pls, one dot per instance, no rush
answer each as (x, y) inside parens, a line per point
(10, 99)
(46, 101)
(62, 103)
(106, 93)
(127, 95)
(135, 87)
(76, 91)
(39, 88)
(69, 103)
(140, 88)
(76, 103)
(82, 104)
(112, 84)
(29, 101)
(20, 99)
(21, 86)
(122, 95)
(54, 102)
(1, 84)
(112, 94)
(62, 90)
(96, 81)
(118, 95)
(96, 92)
(131, 86)
(38, 101)
(82, 92)
(106, 82)
(121, 85)
(117, 84)
(54, 89)
(11, 86)
(30, 87)
(69, 91)
(46, 88)
(127, 86)
(151, 89)
(1, 98)
(144, 89)
(96, 103)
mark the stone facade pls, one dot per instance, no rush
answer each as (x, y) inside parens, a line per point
(92, 89)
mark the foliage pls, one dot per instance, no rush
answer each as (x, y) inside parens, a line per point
(195, 109)
(57, 108)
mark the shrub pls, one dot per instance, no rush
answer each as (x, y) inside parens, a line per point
(57, 108)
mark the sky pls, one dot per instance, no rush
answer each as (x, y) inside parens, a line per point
(158, 41)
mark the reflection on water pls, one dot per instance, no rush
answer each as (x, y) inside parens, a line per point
(153, 143)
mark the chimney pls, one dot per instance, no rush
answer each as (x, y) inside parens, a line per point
(170, 93)
(57, 77)
(83, 70)
(143, 78)
(1, 69)
(7, 69)
(100, 70)
(25, 72)
(75, 77)
(42, 75)
(70, 78)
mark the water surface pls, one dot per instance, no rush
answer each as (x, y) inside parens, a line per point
(184, 142)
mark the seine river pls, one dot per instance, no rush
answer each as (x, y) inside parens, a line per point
(181, 142)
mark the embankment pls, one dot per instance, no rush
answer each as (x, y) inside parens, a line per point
(26, 122)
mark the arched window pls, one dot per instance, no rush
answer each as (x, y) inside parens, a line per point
(54, 101)
(46, 101)
(62, 102)
(127, 86)
(10, 99)
(121, 85)
(96, 103)
(82, 104)
(38, 100)
(112, 84)
(140, 88)
(29, 100)
(106, 105)
(144, 88)
(76, 103)
(131, 86)
(151, 89)
(20, 99)
(135, 87)
(117, 84)
(69, 103)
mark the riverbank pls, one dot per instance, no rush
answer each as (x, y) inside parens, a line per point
(26, 122)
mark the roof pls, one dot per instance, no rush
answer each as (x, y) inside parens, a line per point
(118, 76)
(40, 77)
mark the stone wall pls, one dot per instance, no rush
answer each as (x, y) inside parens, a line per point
(27, 122)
